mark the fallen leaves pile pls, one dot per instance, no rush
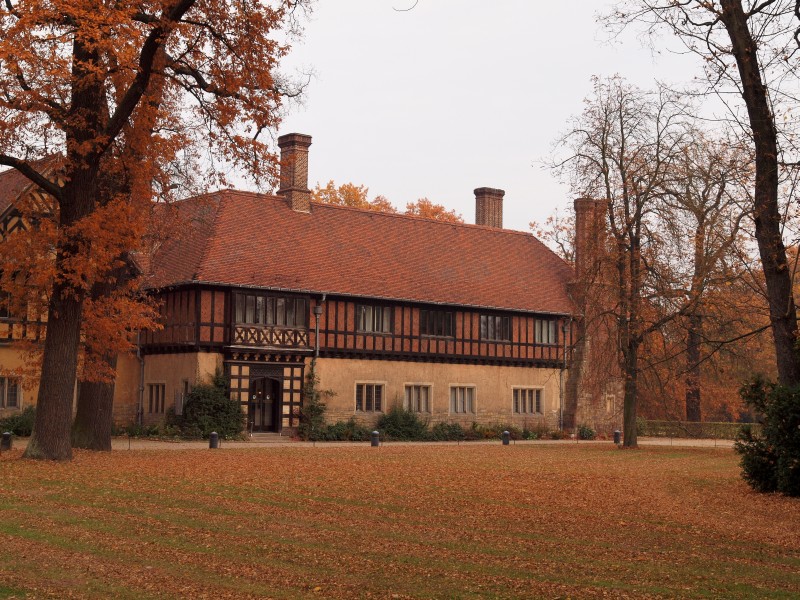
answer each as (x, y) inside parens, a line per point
(400, 521)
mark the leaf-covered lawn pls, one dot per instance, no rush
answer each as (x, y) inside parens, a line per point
(425, 521)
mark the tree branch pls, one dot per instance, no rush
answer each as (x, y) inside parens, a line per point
(131, 98)
(25, 169)
(11, 9)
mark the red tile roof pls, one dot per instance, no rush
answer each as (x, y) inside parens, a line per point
(254, 240)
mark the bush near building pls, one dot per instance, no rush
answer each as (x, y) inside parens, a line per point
(208, 408)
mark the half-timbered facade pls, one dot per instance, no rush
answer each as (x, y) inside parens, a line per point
(458, 322)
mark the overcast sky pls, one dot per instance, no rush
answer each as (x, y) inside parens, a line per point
(457, 94)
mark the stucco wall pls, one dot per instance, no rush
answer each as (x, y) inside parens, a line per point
(126, 390)
(171, 370)
(126, 385)
(493, 389)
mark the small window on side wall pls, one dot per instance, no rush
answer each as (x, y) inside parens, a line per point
(10, 392)
(418, 398)
(527, 401)
(462, 399)
(155, 397)
(369, 397)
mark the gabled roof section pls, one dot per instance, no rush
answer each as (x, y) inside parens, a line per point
(254, 240)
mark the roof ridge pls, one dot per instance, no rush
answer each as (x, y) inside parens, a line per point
(326, 205)
(419, 218)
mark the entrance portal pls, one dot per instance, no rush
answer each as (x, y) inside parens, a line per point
(263, 408)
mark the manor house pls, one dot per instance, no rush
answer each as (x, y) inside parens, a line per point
(458, 322)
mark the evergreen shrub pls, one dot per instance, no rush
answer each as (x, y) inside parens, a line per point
(402, 424)
(312, 413)
(343, 431)
(208, 408)
(447, 432)
(771, 460)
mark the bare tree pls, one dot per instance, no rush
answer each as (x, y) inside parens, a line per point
(749, 50)
(622, 148)
(702, 210)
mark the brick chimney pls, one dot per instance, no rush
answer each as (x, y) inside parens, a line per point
(489, 207)
(294, 171)
(590, 222)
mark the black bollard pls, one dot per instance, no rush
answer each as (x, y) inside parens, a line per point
(213, 440)
(617, 436)
(506, 438)
(375, 439)
(5, 444)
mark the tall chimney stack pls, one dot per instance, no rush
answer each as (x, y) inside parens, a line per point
(489, 207)
(590, 222)
(294, 171)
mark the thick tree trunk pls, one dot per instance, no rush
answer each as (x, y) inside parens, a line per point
(782, 310)
(51, 430)
(693, 334)
(50, 438)
(93, 417)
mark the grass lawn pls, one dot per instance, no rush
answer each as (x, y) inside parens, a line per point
(400, 521)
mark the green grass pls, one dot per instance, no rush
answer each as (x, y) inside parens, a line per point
(525, 521)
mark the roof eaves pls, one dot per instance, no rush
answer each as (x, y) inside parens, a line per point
(222, 284)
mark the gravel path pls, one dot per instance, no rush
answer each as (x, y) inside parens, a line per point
(124, 443)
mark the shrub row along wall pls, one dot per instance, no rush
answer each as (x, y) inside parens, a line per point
(402, 425)
(685, 429)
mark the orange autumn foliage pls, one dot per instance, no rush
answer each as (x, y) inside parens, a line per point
(349, 194)
(428, 210)
(132, 96)
(357, 196)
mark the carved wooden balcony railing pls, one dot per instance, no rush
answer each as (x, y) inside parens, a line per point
(266, 336)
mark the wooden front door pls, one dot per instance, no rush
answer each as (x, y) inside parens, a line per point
(263, 409)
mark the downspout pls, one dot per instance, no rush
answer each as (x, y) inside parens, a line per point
(564, 326)
(140, 408)
(317, 314)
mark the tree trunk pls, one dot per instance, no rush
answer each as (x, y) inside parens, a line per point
(50, 438)
(693, 367)
(51, 430)
(93, 417)
(782, 310)
(629, 433)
